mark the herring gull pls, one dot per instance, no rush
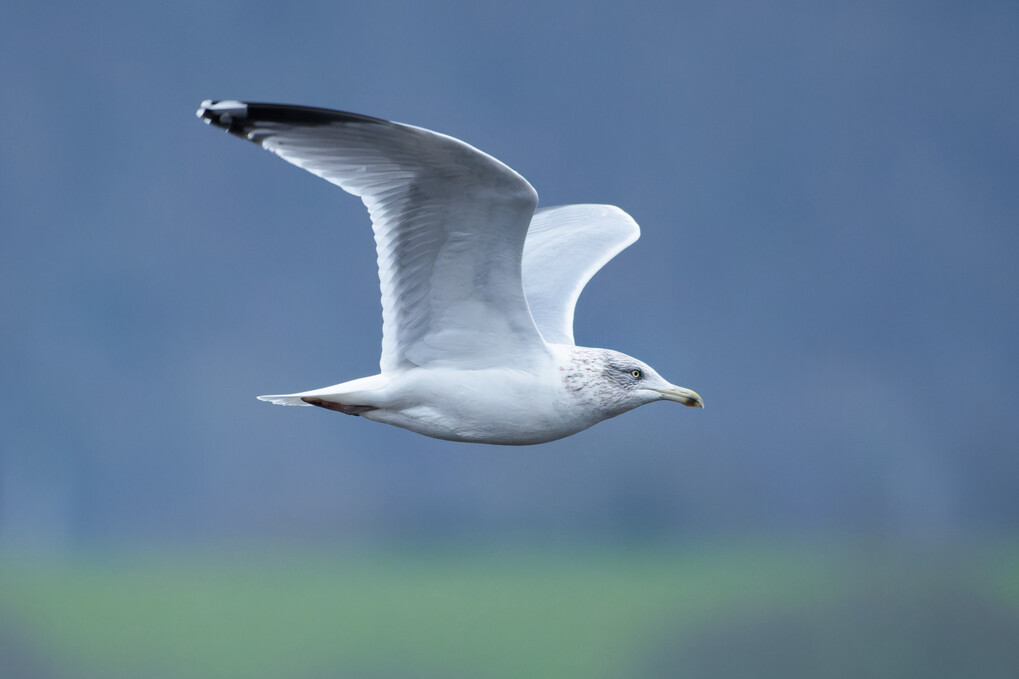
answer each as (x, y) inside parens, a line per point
(478, 286)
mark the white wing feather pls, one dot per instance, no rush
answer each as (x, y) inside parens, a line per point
(449, 221)
(565, 247)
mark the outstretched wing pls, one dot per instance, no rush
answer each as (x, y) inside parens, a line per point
(565, 246)
(449, 221)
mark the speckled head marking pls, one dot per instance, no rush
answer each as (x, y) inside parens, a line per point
(607, 381)
(610, 383)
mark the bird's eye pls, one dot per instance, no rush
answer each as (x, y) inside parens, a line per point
(636, 374)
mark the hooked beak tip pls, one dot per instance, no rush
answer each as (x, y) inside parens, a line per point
(687, 397)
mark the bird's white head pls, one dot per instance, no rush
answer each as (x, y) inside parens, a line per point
(611, 383)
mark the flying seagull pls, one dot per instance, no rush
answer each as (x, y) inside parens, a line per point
(478, 286)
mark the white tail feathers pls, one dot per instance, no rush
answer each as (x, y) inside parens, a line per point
(363, 391)
(284, 399)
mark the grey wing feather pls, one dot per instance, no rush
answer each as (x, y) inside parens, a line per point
(566, 245)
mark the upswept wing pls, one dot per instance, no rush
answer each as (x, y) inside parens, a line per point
(449, 221)
(565, 247)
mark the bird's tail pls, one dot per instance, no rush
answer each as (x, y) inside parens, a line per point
(367, 391)
(284, 399)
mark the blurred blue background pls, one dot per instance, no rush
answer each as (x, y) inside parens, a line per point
(827, 194)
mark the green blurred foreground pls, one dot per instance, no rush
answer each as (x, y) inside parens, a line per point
(594, 613)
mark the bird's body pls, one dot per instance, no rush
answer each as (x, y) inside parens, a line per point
(478, 288)
(559, 397)
(460, 405)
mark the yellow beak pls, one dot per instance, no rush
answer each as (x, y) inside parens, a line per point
(687, 397)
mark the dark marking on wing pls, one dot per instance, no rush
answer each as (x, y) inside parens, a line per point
(241, 121)
(338, 407)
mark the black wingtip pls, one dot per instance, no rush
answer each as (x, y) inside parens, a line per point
(238, 117)
(227, 114)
